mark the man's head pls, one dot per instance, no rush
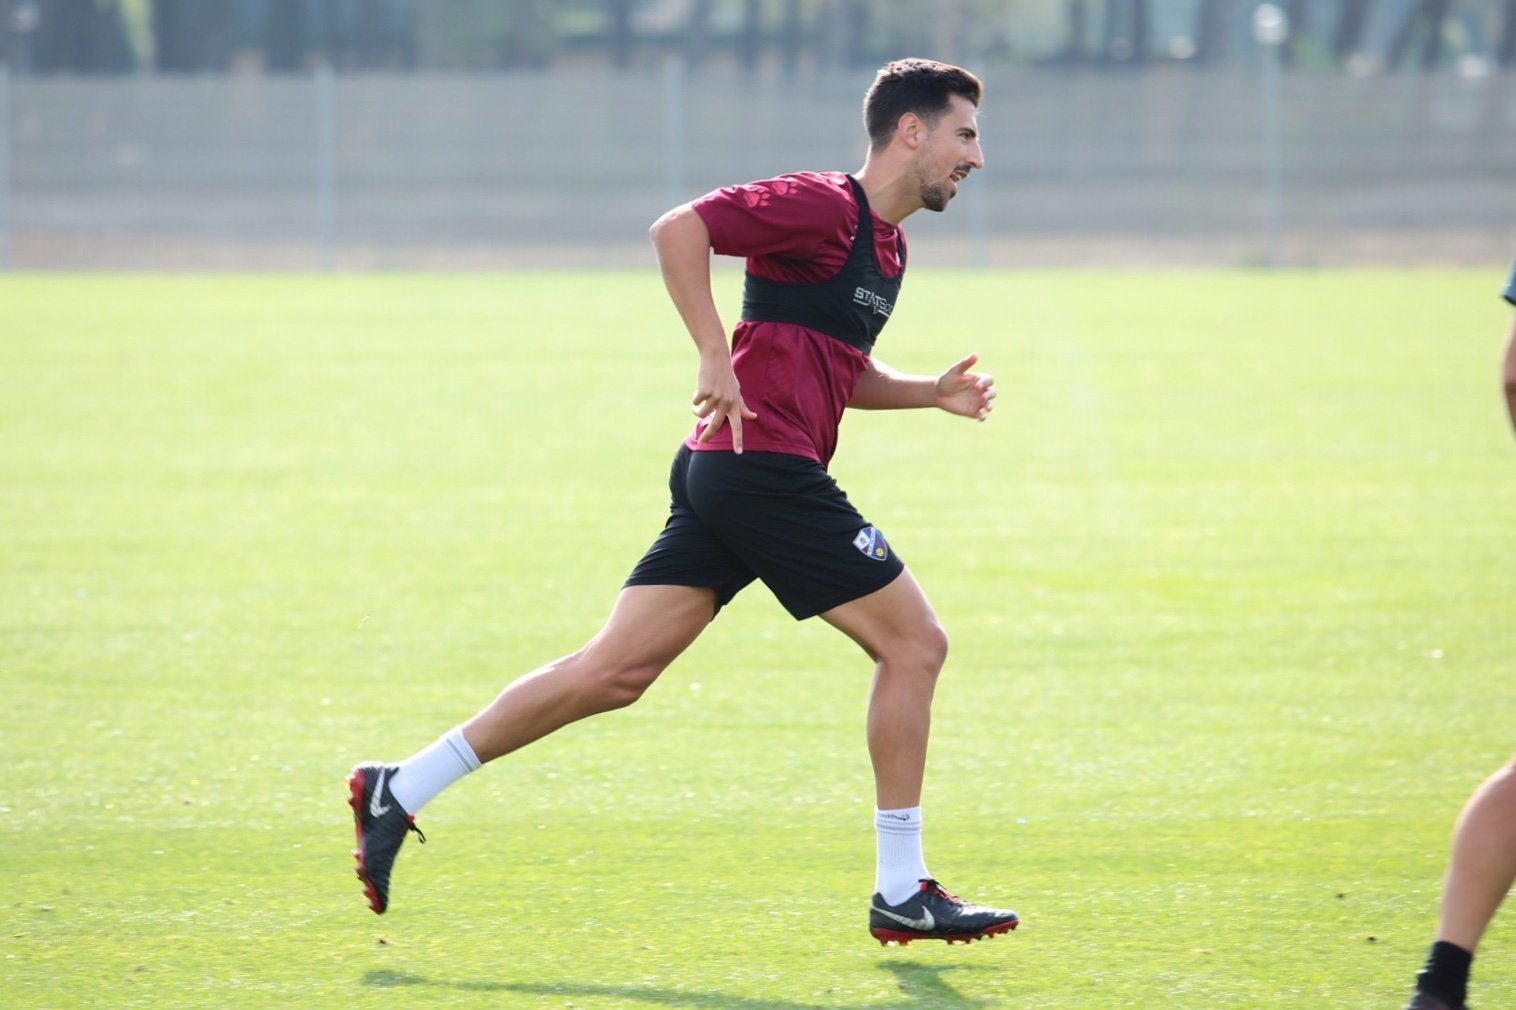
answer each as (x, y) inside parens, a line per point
(921, 116)
(922, 87)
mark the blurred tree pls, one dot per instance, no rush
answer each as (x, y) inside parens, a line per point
(842, 29)
(1297, 15)
(1423, 21)
(487, 34)
(791, 37)
(87, 36)
(530, 34)
(750, 40)
(8, 52)
(351, 34)
(386, 35)
(1109, 23)
(284, 36)
(1142, 30)
(697, 36)
(370, 37)
(1126, 32)
(1212, 18)
(1347, 39)
(959, 31)
(1076, 23)
(192, 35)
(1505, 49)
(618, 17)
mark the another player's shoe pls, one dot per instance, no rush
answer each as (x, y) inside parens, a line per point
(934, 914)
(1426, 1001)
(381, 826)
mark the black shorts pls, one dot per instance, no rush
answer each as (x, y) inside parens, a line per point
(770, 516)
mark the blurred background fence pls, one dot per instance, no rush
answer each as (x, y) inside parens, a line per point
(1124, 132)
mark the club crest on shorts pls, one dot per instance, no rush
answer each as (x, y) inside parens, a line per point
(872, 543)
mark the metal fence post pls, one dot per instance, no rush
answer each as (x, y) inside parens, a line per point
(1271, 27)
(326, 167)
(673, 125)
(5, 166)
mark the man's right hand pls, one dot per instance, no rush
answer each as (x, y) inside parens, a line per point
(718, 400)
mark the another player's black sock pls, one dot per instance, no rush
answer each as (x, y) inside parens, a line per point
(1446, 974)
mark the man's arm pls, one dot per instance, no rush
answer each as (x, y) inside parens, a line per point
(683, 244)
(957, 390)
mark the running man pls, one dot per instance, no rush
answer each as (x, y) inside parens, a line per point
(751, 497)
(1483, 863)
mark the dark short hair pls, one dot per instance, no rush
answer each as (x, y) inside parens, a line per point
(913, 85)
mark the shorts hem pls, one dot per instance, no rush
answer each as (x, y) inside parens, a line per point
(809, 609)
(722, 596)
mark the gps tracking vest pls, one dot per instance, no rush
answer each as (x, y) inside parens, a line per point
(852, 306)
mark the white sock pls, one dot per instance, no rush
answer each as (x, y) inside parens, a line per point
(900, 868)
(425, 774)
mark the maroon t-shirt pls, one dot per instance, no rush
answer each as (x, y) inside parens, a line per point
(797, 229)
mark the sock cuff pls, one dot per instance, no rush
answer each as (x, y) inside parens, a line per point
(1446, 974)
(904, 821)
(461, 749)
(1451, 955)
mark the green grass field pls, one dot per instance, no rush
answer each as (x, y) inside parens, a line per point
(1228, 576)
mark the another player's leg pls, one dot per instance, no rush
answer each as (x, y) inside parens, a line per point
(649, 627)
(896, 627)
(1480, 873)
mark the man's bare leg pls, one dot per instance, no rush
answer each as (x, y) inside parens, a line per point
(1483, 863)
(896, 627)
(648, 628)
(1479, 876)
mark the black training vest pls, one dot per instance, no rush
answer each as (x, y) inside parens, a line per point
(852, 306)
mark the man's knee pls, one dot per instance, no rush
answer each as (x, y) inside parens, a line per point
(923, 648)
(935, 644)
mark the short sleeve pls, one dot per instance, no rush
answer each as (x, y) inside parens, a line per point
(788, 216)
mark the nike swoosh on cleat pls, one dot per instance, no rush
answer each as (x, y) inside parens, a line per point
(375, 807)
(925, 924)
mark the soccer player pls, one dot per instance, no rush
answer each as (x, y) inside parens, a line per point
(751, 497)
(1483, 864)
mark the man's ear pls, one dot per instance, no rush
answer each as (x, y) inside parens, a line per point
(911, 129)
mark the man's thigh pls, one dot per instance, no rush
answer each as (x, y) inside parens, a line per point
(887, 619)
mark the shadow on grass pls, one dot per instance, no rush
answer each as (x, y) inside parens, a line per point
(921, 985)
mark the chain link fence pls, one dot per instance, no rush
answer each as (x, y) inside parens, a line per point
(1164, 166)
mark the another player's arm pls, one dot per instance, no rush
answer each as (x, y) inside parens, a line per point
(957, 390)
(683, 243)
(1510, 373)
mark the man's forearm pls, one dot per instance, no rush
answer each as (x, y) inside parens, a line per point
(881, 387)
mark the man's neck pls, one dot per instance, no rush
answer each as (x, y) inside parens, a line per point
(892, 191)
